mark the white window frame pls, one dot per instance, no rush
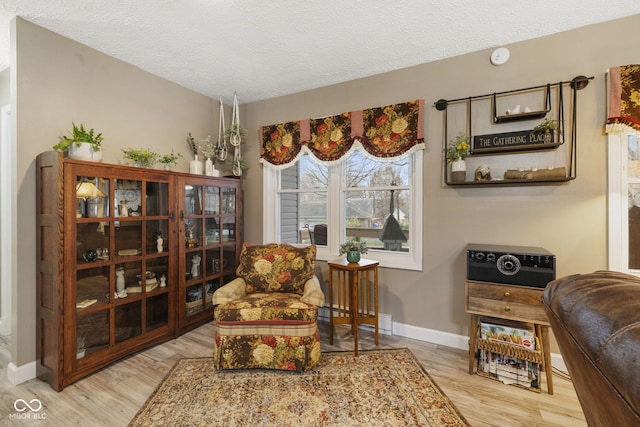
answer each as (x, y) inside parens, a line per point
(411, 260)
(618, 203)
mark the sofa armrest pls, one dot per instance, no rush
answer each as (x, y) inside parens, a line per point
(231, 291)
(313, 293)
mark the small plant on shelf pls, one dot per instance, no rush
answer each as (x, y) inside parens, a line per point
(78, 136)
(458, 148)
(547, 125)
(143, 157)
(170, 159)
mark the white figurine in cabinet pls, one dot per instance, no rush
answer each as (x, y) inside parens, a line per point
(159, 243)
(121, 292)
(163, 281)
(124, 208)
(195, 265)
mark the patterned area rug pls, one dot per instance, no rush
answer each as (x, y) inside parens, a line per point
(379, 387)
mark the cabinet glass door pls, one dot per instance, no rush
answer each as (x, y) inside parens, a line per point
(123, 275)
(198, 210)
(208, 252)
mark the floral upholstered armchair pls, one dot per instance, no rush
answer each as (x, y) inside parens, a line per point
(267, 316)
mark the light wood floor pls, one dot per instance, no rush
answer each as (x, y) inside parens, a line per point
(112, 396)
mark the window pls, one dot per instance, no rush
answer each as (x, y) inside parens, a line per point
(624, 201)
(312, 202)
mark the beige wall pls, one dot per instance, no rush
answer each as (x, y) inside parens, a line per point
(59, 81)
(568, 220)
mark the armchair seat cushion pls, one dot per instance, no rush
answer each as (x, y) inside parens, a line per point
(267, 308)
(267, 330)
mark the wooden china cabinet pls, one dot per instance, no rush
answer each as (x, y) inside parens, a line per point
(126, 258)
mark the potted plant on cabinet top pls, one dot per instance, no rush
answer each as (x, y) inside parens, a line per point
(143, 157)
(169, 160)
(82, 144)
(548, 127)
(456, 152)
(353, 248)
(210, 152)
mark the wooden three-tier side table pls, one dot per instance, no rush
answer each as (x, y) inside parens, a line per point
(356, 287)
(511, 302)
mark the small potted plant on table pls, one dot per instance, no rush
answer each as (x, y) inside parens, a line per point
(353, 248)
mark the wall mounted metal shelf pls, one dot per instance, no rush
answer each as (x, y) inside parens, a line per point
(558, 109)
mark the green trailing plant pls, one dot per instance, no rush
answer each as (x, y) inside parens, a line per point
(170, 159)
(78, 136)
(458, 148)
(143, 156)
(235, 129)
(353, 245)
(240, 163)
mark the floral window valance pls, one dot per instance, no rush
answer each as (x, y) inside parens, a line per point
(382, 132)
(624, 98)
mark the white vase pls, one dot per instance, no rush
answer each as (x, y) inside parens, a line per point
(120, 281)
(209, 170)
(84, 152)
(458, 170)
(195, 166)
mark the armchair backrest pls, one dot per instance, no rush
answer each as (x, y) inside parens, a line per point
(276, 267)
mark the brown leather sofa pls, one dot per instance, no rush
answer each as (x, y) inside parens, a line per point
(596, 321)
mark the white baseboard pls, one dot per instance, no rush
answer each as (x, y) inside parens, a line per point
(558, 362)
(431, 335)
(452, 340)
(19, 374)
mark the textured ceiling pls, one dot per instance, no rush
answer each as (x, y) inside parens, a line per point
(264, 49)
